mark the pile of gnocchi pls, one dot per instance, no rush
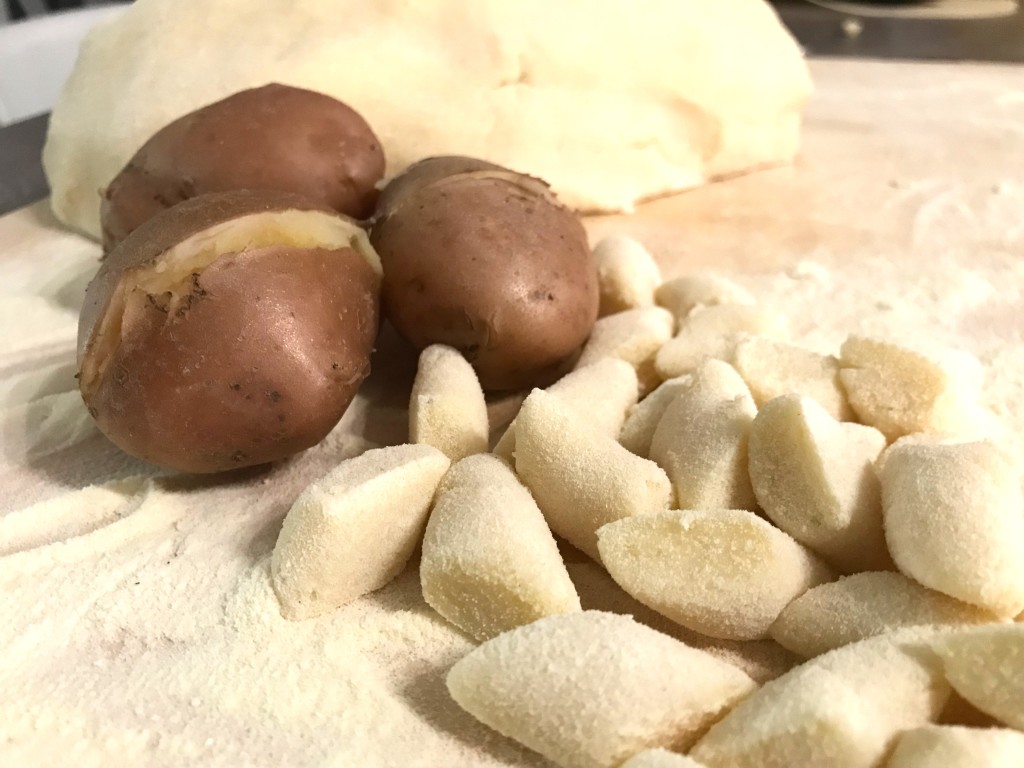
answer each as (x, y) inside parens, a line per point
(743, 488)
(748, 492)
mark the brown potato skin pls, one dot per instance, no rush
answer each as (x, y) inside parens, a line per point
(145, 244)
(491, 264)
(275, 137)
(424, 173)
(259, 361)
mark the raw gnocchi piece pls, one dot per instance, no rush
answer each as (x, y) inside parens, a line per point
(701, 441)
(634, 336)
(713, 333)
(589, 690)
(840, 710)
(773, 368)
(660, 758)
(814, 477)
(986, 667)
(642, 419)
(582, 479)
(600, 393)
(627, 275)
(703, 289)
(763, 660)
(954, 520)
(951, 746)
(724, 573)
(353, 531)
(900, 390)
(447, 408)
(489, 561)
(863, 605)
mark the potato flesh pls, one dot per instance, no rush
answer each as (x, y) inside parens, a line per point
(352, 531)
(945, 746)
(986, 667)
(580, 478)
(723, 573)
(863, 605)
(627, 275)
(591, 689)
(599, 393)
(701, 441)
(899, 390)
(489, 562)
(172, 272)
(954, 520)
(447, 408)
(814, 478)
(773, 368)
(841, 710)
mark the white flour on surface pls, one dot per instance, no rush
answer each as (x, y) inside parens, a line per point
(137, 624)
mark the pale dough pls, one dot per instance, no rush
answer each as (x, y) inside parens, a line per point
(610, 103)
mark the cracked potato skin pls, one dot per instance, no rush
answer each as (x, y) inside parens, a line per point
(489, 262)
(275, 137)
(257, 361)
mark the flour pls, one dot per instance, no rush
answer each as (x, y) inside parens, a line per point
(146, 632)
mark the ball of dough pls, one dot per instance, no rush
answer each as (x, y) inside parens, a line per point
(652, 99)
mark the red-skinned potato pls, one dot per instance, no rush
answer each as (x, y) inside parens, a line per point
(230, 330)
(486, 260)
(275, 137)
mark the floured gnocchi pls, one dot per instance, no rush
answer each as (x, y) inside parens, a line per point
(591, 689)
(724, 573)
(489, 562)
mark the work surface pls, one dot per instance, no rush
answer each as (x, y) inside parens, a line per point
(150, 629)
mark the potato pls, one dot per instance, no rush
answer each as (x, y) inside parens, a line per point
(599, 393)
(814, 477)
(275, 137)
(863, 605)
(489, 262)
(945, 746)
(580, 478)
(230, 330)
(899, 390)
(447, 408)
(353, 530)
(489, 562)
(954, 520)
(986, 667)
(701, 440)
(841, 710)
(724, 573)
(589, 690)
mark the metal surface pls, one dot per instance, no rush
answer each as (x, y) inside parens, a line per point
(825, 32)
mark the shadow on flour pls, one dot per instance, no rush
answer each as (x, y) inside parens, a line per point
(427, 695)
